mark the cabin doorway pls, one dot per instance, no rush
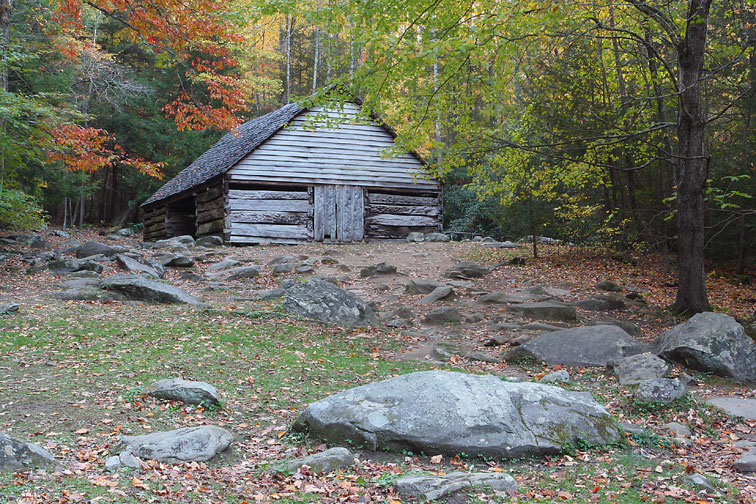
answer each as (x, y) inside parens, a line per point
(339, 213)
(181, 217)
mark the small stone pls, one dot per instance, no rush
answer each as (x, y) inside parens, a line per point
(747, 462)
(320, 463)
(282, 268)
(700, 482)
(436, 237)
(181, 445)
(679, 429)
(443, 315)
(18, 455)
(466, 271)
(8, 308)
(608, 285)
(127, 459)
(112, 463)
(282, 259)
(556, 377)
(210, 241)
(744, 443)
(188, 392)
(439, 293)
(637, 368)
(431, 488)
(632, 428)
(415, 237)
(381, 268)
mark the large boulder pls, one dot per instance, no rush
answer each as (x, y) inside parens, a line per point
(181, 445)
(450, 413)
(578, 346)
(18, 455)
(138, 288)
(323, 301)
(466, 270)
(92, 248)
(711, 342)
(61, 266)
(188, 392)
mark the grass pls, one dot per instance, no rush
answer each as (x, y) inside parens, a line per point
(73, 377)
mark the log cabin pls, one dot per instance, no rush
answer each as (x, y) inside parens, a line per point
(297, 175)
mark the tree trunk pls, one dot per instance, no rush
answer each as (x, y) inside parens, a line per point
(288, 57)
(691, 131)
(317, 56)
(6, 10)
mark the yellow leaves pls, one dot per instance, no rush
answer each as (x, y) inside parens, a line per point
(137, 483)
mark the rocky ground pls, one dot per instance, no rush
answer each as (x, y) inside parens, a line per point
(82, 343)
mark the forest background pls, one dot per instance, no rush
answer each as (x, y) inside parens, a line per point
(623, 124)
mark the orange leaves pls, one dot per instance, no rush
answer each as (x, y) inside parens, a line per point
(194, 34)
(89, 149)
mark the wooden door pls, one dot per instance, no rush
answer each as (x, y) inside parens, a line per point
(339, 213)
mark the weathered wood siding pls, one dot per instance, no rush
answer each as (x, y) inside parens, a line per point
(332, 148)
(339, 213)
(391, 215)
(276, 216)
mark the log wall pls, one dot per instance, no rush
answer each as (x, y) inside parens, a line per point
(210, 204)
(395, 215)
(269, 215)
(154, 223)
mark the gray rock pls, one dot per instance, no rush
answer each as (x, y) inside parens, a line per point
(188, 392)
(112, 463)
(94, 248)
(630, 328)
(680, 430)
(324, 462)
(305, 268)
(659, 390)
(170, 260)
(540, 326)
(609, 286)
(84, 274)
(323, 301)
(128, 459)
(8, 308)
(578, 346)
(226, 263)
(17, 455)
(744, 443)
(327, 259)
(710, 342)
(139, 288)
(601, 302)
(631, 428)
(516, 296)
(270, 294)
(637, 368)
(747, 462)
(239, 273)
(183, 240)
(133, 266)
(700, 482)
(378, 269)
(209, 241)
(443, 315)
(556, 377)
(500, 245)
(436, 237)
(282, 259)
(438, 294)
(420, 286)
(39, 243)
(427, 487)
(60, 234)
(546, 310)
(87, 294)
(736, 406)
(284, 268)
(466, 270)
(450, 413)
(62, 266)
(415, 237)
(181, 445)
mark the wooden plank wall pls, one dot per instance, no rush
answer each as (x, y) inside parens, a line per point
(396, 215)
(339, 213)
(276, 216)
(322, 147)
(154, 223)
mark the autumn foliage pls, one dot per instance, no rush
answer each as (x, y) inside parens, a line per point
(196, 35)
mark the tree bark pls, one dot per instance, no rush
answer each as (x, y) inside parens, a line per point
(6, 10)
(691, 131)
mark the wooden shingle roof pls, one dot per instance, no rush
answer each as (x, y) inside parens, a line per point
(231, 148)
